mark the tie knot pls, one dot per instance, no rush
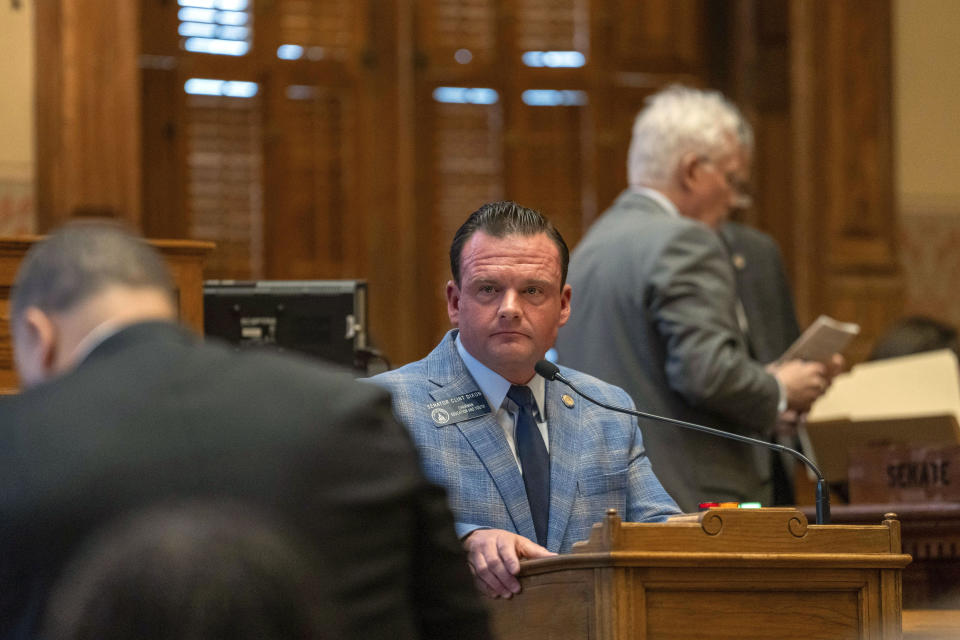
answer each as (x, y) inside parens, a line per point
(522, 396)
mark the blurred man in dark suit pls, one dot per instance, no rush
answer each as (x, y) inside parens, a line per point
(123, 408)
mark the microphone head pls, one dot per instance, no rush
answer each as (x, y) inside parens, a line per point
(547, 369)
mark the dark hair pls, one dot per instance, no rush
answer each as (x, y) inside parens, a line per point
(915, 334)
(188, 571)
(500, 219)
(81, 259)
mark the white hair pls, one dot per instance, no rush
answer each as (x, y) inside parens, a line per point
(679, 120)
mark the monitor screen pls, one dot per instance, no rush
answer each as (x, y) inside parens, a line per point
(326, 319)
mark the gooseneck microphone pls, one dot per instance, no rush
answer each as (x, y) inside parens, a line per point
(551, 371)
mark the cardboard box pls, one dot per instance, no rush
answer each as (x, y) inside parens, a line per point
(908, 474)
(913, 400)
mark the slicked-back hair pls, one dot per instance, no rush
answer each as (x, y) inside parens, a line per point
(81, 259)
(680, 120)
(501, 219)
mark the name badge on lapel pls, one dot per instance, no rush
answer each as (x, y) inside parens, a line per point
(459, 408)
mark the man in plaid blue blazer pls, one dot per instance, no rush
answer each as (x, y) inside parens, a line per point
(507, 299)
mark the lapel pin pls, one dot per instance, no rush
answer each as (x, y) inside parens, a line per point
(739, 261)
(567, 400)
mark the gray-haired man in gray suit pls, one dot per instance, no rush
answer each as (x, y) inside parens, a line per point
(657, 310)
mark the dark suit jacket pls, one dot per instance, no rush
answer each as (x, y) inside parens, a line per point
(763, 289)
(152, 414)
(653, 311)
(768, 305)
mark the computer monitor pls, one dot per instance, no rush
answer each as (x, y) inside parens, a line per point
(326, 319)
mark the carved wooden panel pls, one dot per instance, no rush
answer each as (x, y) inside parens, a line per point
(844, 220)
(88, 137)
(855, 116)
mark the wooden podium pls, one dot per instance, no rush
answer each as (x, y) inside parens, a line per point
(723, 573)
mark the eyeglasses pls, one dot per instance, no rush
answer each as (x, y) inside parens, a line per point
(740, 188)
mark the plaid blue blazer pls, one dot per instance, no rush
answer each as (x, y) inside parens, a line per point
(597, 459)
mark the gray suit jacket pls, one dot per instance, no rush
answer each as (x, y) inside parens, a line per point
(654, 312)
(597, 459)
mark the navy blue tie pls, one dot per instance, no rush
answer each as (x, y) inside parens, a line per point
(534, 459)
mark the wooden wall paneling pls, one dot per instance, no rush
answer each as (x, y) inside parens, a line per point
(756, 37)
(809, 271)
(310, 142)
(88, 102)
(845, 223)
(163, 213)
(466, 161)
(433, 45)
(467, 171)
(607, 170)
(637, 48)
(310, 164)
(445, 27)
(328, 30)
(409, 210)
(552, 25)
(614, 123)
(547, 159)
(459, 145)
(395, 246)
(773, 209)
(550, 164)
(858, 127)
(48, 89)
(769, 94)
(658, 35)
(218, 143)
(873, 301)
(929, 246)
(224, 190)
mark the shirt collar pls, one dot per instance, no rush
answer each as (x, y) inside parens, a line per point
(659, 198)
(95, 338)
(493, 385)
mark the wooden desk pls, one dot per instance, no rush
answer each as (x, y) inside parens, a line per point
(724, 573)
(184, 258)
(931, 534)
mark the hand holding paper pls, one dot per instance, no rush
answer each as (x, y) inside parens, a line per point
(822, 340)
